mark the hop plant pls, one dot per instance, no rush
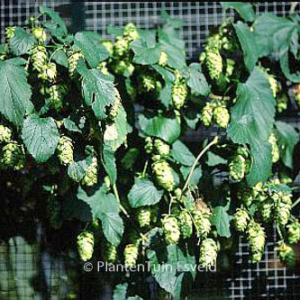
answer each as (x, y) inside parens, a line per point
(237, 168)
(275, 148)
(283, 212)
(286, 254)
(179, 94)
(116, 106)
(221, 116)
(171, 229)
(144, 216)
(10, 32)
(85, 245)
(207, 114)
(91, 175)
(53, 208)
(130, 32)
(163, 174)
(241, 219)
(39, 33)
(48, 72)
(73, 60)
(5, 134)
(162, 148)
(121, 46)
(12, 157)
(208, 253)
(214, 63)
(256, 239)
(202, 223)
(294, 232)
(65, 150)
(163, 59)
(266, 210)
(131, 253)
(110, 253)
(39, 57)
(186, 224)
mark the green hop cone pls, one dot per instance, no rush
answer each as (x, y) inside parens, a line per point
(273, 84)
(214, 64)
(91, 175)
(286, 254)
(5, 134)
(282, 213)
(39, 33)
(267, 211)
(56, 93)
(186, 224)
(293, 230)
(116, 106)
(130, 32)
(221, 116)
(162, 148)
(163, 59)
(144, 216)
(207, 114)
(65, 150)
(10, 32)
(282, 103)
(208, 253)
(256, 239)
(241, 219)
(124, 68)
(230, 67)
(178, 193)
(237, 168)
(171, 229)
(148, 83)
(85, 245)
(148, 145)
(131, 253)
(53, 209)
(121, 46)
(163, 174)
(39, 57)
(73, 60)
(48, 72)
(110, 253)
(275, 148)
(12, 157)
(202, 223)
(179, 94)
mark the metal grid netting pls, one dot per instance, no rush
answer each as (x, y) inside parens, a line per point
(267, 280)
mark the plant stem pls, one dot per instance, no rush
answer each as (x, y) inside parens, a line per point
(116, 193)
(145, 168)
(279, 231)
(296, 202)
(213, 142)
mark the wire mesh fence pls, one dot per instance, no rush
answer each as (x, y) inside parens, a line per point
(29, 271)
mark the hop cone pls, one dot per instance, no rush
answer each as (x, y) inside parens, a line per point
(221, 116)
(256, 239)
(207, 114)
(91, 175)
(171, 229)
(39, 33)
(12, 157)
(110, 253)
(10, 32)
(208, 253)
(214, 63)
(186, 224)
(48, 72)
(5, 134)
(144, 216)
(241, 218)
(57, 92)
(39, 57)
(286, 254)
(275, 148)
(202, 223)
(130, 32)
(283, 213)
(273, 84)
(162, 148)
(131, 253)
(179, 94)
(121, 46)
(294, 232)
(149, 83)
(163, 174)
(116, 106)
(65, 150)
(85, 245)
(237, 168)
(73, 60)
(267, 210)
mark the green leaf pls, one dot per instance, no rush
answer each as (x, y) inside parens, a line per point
(167, 129)
(55, 18)
(245, 10)
(285, 67)
(93, 51)
(221, 219)
(252, 119)
(40, 136)
(106, 208)
(274, 34)
(214, 159)
(15, 91)
(109, 163)
(71, 125)
(130, 158)
(60, 57)
(120, 291)
(169, 266)
(247, 41)
(181, 153)
(287, 139)
(146, 50)
(21, 42)
(98, 90)
(196, 81)
(143, 193)
(77, 170)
